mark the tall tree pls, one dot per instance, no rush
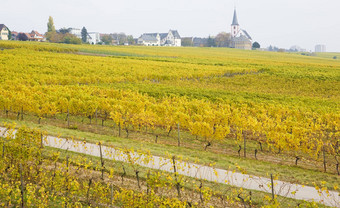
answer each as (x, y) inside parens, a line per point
(122, 38)
(107, 39)
(256, 45)
(211, 42)
(64, 31)
(187, 41)
(50, 25)
(84, 35)
(223, 39)
(9, 35)
(130, 40)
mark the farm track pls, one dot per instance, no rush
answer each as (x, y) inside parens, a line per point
(285, 189)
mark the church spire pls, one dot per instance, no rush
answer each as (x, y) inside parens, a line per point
(235, 22)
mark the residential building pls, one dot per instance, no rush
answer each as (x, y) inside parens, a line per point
(240, 38)
(33, 36)
(3, 32)
(296, 48)
(172, 38)
(14, 35)
(320, 48)
(150, 39)
(24, 36)
(93, 38)
(75, 31)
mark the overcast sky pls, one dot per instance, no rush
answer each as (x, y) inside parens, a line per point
(282, 23)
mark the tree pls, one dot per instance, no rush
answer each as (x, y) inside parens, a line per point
(9, 35)
(54, 37)
(211, 42)
(122, 38)
(256, 45)
(64, 30)
(107, 39)
(130, 40)
(84, 35)
(50, 25)
(71, 39)
(187, 42)
(22, 37)
(223, 39)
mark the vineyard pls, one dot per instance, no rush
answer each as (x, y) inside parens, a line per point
(249, 111)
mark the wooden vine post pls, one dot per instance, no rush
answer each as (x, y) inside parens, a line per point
(68, 118)
(272, 185)
(179, 136)
(324, 158)
(101, 159)
(178, 187)
(245, 146)
(88, 192)
(21, 187)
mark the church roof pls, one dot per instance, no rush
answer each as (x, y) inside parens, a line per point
(242, 38)
(175, 34)
(163, 35)
(247, 35)
(235, 22)
(149, 37)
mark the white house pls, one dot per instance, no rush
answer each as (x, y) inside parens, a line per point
(93, 38)
(172, 38)
(75, 31)
(3, 32)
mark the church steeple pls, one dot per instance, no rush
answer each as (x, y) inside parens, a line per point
(235, 27)
(235, 22)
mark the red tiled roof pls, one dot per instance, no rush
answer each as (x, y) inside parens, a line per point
(28, 35)
(36, 33)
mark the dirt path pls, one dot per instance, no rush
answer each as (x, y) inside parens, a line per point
(285, 189)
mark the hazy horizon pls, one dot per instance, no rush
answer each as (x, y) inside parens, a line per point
(280, 23)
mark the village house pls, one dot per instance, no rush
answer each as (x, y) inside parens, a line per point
(75, 31)
(14, 35)
(33, 36)
(92, 37)
(172, 38)
(3, 32)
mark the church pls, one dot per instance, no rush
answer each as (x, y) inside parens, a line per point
(240, 38)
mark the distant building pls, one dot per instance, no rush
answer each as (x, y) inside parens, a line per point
(14, 35)
(94, 38)
(320, 48)
(75, 31)
(172, 38)
(33, 36)
(297, 48)
(3, 32)
(240, 38)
